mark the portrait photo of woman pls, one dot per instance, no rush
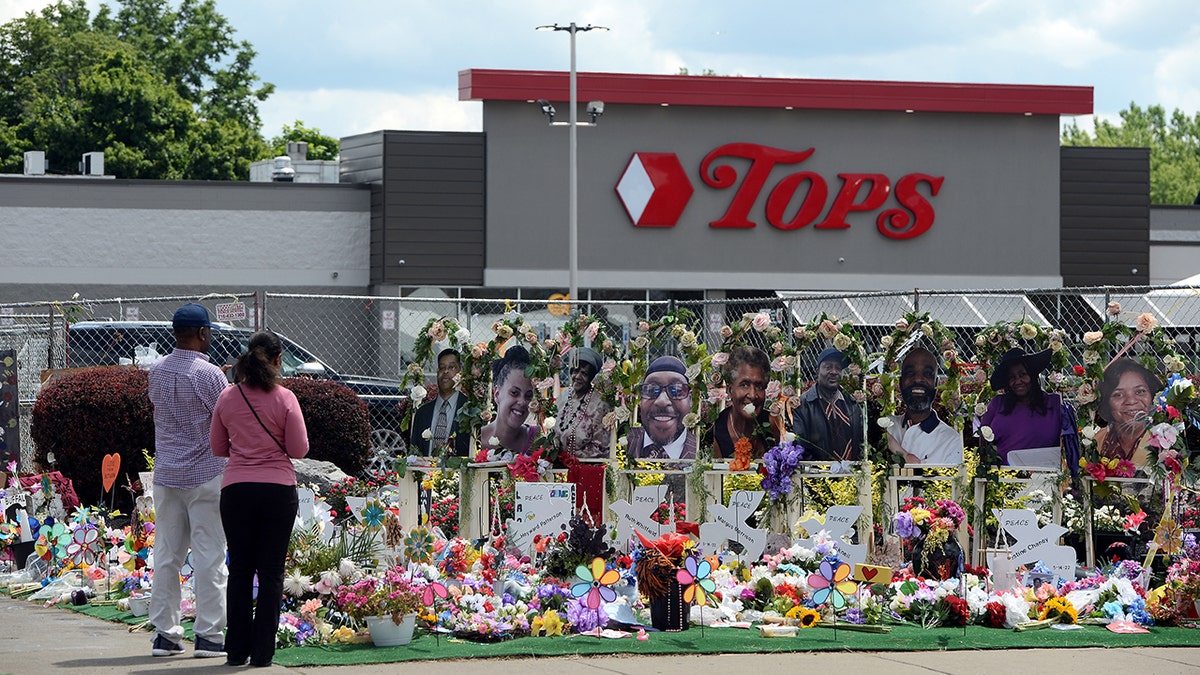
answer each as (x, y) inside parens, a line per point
(512, 394)
(1025, 420)
(1126, 400)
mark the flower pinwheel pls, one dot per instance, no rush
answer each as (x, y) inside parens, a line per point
(696, 576)
(433, 591)
(1168, 536)
(373, 514)
(418, 545)
(85, 545)
(594, 583)
(832, 584)
(52, 542)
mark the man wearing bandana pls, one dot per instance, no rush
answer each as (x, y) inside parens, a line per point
(918, 435)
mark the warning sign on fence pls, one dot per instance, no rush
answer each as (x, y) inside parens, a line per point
(231, 311)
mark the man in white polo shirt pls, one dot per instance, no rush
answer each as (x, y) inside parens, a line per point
(918, 435)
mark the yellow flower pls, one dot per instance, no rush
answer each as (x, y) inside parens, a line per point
(1028, 331)
(920, 515)
(1059, 608)
(808, 617)
(794, 612)
(342, 634)
(550, 622)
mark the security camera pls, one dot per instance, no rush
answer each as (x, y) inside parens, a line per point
(596, 108)
(547, 109)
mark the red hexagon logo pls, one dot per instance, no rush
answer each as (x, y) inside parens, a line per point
(654, 189)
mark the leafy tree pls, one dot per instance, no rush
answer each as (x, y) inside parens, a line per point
(1174, 148)
(320, 146)
(164, 93)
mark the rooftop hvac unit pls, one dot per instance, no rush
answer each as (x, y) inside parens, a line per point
(92, 164)
(35, 163)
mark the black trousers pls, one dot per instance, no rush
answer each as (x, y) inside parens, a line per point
(258, 519)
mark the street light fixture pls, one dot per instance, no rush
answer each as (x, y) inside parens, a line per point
(595, 109)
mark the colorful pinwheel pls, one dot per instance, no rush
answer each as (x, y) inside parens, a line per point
(695, 576)
(831, 584)
(418, 545)
(85, 545)
(1168, 536)
(373, 514)
(594, 583)
(433, 591)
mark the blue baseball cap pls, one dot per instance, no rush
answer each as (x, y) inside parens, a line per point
(831, 354)
(191, 315)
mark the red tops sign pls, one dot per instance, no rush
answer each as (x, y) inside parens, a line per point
(655, 189)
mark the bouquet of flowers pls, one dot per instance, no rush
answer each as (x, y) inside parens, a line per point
(778, 465)
(393, 594)
(916, 520)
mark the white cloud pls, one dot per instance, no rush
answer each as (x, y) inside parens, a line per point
(345, 112)
(1176, 76)
(1062, 41)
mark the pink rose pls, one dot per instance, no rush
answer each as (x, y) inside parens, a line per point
(717, 395)
(773, 389)
(761, 321)
(1146, 322)
(592, 330)
(780, 364)
(608, 366)
(719, 359)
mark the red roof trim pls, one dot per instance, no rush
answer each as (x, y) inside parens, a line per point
(761, 92)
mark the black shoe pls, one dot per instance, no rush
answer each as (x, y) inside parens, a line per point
(163, 646)
(207, 649)
(231, 661)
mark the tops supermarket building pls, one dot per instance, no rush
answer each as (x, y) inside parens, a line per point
(692, 186)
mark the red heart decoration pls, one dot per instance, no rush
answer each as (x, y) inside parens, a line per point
(110, 468)
(869, 573)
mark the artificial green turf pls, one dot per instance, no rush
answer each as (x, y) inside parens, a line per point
(426, 646)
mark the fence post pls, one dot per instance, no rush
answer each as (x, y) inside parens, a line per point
(916, 301)
(50, 341)
(1107, 299)
(264, 310)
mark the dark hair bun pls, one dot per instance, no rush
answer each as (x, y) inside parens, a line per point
(514, 354)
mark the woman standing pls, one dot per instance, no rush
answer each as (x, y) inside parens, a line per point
(512, 392)
(258, 425)
(1024, 416)
(581, 411)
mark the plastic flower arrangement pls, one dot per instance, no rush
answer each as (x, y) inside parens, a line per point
(777, 466)
(392, 595)
(934, 524)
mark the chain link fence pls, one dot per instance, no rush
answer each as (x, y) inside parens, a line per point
(374, 336)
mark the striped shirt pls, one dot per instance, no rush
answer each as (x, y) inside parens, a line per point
(184, 388)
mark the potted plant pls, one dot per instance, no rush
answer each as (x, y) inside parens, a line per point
(931, 531)
(388, 605)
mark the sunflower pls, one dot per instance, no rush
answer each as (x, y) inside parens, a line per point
(808, 617)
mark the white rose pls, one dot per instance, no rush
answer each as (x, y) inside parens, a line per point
(749, 409)
(885, 422)
(494, 441)
(885, 341)
(462, 335)
(987, 434)
(548, 424)
(789, 437)
(980, 408)
(417, 394)
(427, 434)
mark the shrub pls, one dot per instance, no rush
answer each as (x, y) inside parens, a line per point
(339, 424)
(83, 416)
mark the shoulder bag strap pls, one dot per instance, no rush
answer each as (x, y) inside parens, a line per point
(247, 400)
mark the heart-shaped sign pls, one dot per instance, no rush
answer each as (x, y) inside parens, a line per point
(110, 468)
(873, 574)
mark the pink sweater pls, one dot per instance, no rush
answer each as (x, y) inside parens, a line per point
(253, 456)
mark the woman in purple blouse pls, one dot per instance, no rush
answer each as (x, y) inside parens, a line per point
(1024, 416)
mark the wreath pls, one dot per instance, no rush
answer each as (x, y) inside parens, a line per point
(1175, 407)
(477, 375)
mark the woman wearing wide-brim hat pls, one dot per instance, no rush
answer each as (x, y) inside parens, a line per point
(1023, 416)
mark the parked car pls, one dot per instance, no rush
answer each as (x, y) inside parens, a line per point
(111, 343)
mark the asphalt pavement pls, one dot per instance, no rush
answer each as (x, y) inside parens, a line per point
(34, 639)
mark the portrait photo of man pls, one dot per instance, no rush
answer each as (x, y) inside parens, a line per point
(664, 398)
(438, 416)
(918, 435)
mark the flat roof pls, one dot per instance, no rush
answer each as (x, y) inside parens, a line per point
(763, 92)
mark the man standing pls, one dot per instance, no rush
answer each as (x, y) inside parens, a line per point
(827, 423)
(438, 416)
(918, 435)
(665, 398)
(187, 488)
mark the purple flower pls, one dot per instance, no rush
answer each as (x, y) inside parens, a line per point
(584, 619)
(780, 463)
(747, 593)
(905, 527)
(854, 615)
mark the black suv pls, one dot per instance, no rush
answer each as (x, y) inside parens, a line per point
(111, 343)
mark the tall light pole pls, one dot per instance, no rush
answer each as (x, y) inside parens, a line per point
(573, 159)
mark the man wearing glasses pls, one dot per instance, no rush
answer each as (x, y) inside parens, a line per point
(665, 398)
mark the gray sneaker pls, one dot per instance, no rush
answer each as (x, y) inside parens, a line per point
(207, 649)
(163, 646)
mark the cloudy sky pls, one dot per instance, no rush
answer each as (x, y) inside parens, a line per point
(360, 65)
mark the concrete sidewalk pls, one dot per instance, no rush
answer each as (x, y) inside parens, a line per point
(38, 640)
